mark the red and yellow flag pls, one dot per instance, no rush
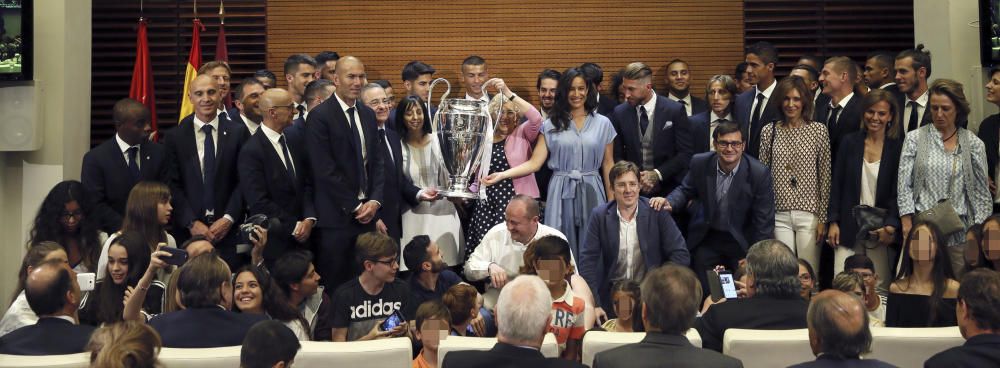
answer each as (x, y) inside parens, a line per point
(194, 62)
(142, 75)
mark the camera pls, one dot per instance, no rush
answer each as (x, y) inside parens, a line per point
(246, 229)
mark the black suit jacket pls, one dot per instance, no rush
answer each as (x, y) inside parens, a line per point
(701, 130)
(671, 139)
(750, 196)
(338, 171)
(849, 120)
(845, 192)
(105, 173)
(186, 176)
(504, 356)
(742, 112)
(978, 351)
(894, 90)
(989, 133)
(606, 105)
(829, 361)
(398, 187)
(210, 327)
(822, 100)
(698, 105)
(662, 350)
(924, 120)
(269, 189)
(234, 115)
(50, 336)
(758, 312)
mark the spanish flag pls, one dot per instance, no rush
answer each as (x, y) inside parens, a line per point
(194, 62)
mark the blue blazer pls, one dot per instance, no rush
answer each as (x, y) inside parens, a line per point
(105, 174)
(659, 239)
(398, 188)
(700, 133)
(671, 139)
(751, 200)
(742, 112)
(209, 327)
(50, 336)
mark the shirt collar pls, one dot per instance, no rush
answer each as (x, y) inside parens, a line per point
(198, 123)
(887, 85)
(922, 100)
(343, 105)
(73, 321)
(567, 297)
(723, 173)
(767, 92)
(712, 117)
(686, 99)
(843, 102)
(271, 135)
(620, 217)
(121, 144)
(483, 98)
(649, 105)
(252, 125)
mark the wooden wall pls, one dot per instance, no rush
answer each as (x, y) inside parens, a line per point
(518, 38)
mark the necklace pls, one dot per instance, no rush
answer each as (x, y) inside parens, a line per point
(951, 136)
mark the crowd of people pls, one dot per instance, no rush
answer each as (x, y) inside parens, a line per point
(315, 213)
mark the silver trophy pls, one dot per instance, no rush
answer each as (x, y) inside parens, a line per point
(465, 132)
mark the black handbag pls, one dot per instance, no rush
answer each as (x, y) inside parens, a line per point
(868, 219)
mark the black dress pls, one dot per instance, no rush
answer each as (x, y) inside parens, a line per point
(908, 310)
(490, 213)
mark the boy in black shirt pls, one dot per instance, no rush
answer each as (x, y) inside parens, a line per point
(363, 303)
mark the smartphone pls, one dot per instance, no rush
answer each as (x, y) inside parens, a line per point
(721, 284)
(395, 319)
(177, 256)
(86, 280)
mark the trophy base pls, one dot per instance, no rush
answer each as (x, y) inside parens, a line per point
(465, 194)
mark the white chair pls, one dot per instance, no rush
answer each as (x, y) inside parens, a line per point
(597, 341)
(228, 356)
(387, 353)
(768, 348)
(80, 360)
(550, 349)
(910, 347)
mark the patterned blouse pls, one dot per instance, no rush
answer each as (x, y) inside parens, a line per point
(800, 165)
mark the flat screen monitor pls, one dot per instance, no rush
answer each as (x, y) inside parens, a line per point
(15, 40)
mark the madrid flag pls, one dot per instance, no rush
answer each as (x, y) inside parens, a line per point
(194, 62)
(142, 75)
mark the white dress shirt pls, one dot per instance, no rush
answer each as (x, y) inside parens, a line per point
(484, 98)
(650, 108)
(687, 102)
(713, 122)
(361, 134)
(630, 265)
(921, 108)
(199, 139)
(124, 149)
(767, 97)
(273, 137)
(842, 104)
(251, 125)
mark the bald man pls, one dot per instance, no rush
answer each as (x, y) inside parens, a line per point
(54, 295)
(342, 141)
(838, 332)
(111, 169)
(203, 150)
(275, 176)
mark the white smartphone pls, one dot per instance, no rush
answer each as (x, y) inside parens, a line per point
(86, 280)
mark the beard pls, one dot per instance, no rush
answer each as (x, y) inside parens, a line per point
(437, 267)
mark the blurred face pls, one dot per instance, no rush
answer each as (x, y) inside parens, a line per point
(297, 82)
(221, 77)
(205, 96)
(791, 105)
(474, 76)
(414, 119)
(247, 294)
(376, 99)
(802, 73)
(117, 263)
(385, 268)
(678, 77)
(163, 210)
(626, 189)
(71, 217)
(874, 75)
(878, 117)
(991, 246)
(624, 305)
(719, 98)
(267, 82)
(326, 71)
(419, 87)
(552, 271)
(637, 91)
(757, 69)
(522, 228)
(547, 92)
(349, 78)
(971, 251)
(807, 282)
(834, 81)
(730, 148)
(432, 331)
(906, 77)
(923, 245)
(577, 93)
(250, 104)
(310, 282)
(509, 119)
(943, 111)
(392, 97)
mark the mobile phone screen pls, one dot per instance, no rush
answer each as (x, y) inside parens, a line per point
(394, 320)
(728, 286)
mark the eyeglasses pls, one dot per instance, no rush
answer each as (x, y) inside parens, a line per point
(384, 101)
(75, 214)
(726, 144)
(805, 277)
(391, 263)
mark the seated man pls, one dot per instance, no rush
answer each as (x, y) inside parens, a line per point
(269, 344)
(54, 296)
(772, 301)
(839, 332)
(523, 314)
(430, 278)
(670, 299)
(626, 237)
(207, 295)
(979, 322)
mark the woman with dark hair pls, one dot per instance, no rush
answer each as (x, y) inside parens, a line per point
(147, 214)
(20, 314)
(798, 152)
(255, 292)
(989, 133)
(925, 293)
(68, 217)
(807, 277)
(945, 161)
(128, 259)
(865, 174)
(423, 164)
(628, 307)
(982, 247)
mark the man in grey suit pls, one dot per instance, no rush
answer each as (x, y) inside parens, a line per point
(670, 299)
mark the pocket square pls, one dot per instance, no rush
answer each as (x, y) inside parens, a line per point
(668, 124)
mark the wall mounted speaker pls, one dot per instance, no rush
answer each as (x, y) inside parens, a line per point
(20, 127)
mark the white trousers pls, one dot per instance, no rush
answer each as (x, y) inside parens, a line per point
(797, 229)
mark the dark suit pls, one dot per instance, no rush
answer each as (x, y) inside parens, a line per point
(270, 189)
(829, 361)
(845, 190)
(209, 327)
(698, 105)
(978, 351)
(659, 240)
(743, 111)
(234, 115)
(339, 174)
(105, 173)
(924, 120)
(821, 100)
(701, 132)
(894, 90)
(671, 142)
(504, 356)
(398, 187)
(758, 313)
(848, 121)
(50, 336)
(662, 350)
(989, 133)
(187, 183)
(606, 105)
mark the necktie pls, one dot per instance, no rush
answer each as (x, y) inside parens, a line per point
(912, 124)
(685, 105)
(208, 169)
(133, 165)
(831, 122)
(643, 119)
(302, 110)
(383, 142)
(755, 116)
(356, 139)
(288, 158)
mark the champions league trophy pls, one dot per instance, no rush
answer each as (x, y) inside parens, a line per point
(465, 132)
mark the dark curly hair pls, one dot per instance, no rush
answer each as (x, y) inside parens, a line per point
(273, 300)
(47, 225)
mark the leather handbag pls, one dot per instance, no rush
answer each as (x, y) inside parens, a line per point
(868, 219)
(943, 216)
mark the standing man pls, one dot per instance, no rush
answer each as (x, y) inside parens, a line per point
(913, 68)
(653, 132)
(275, 177)
(111, 169)
(880, 72)
(266, 77)
(205, 182)
(594, 74)
(843, 114)
(326, 61)
(546, 84)
(417, 78)
(474, 74)
(221, 74)
(300, 69)
(247, 103)
(753, 107)
(810, 76)
(678, 81)
(347, 171)
(317, 91)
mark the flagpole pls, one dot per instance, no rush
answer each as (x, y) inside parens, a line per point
(222, 13)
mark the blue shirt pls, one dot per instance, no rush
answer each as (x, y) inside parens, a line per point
(420, 294)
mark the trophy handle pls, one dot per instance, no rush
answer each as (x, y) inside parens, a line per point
(430, 92)
(503, 100)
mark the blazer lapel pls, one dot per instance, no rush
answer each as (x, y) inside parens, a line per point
(711, 172)
(613, 225)
(642, 225)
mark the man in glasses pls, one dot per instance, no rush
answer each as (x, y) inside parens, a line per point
(730, 199)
